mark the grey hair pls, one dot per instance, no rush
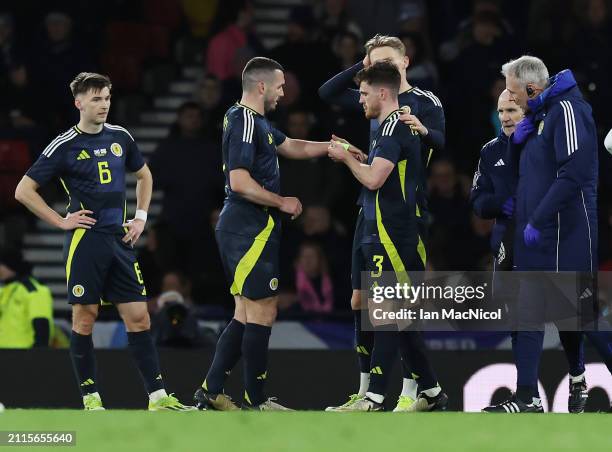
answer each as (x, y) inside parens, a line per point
(527, 69)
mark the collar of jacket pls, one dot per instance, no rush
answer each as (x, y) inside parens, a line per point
(502, 136)
(558, 84)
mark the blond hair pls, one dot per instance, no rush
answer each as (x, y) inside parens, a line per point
(385, 41)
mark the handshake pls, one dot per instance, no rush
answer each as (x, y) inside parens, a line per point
(339, 150)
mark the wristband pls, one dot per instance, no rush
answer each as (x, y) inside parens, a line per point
(346, 146)
(141, 215)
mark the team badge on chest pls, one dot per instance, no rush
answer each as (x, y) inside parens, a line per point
(116, 149)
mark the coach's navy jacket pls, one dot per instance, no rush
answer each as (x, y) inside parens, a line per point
(557, 181)
(493, 184)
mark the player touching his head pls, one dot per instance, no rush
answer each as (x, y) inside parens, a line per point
(248, 233)
(389, 238)
(91, 161)
(425, 116)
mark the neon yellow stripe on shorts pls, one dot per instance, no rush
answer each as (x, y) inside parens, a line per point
(76, 238)
(396, 260)
(248, 261)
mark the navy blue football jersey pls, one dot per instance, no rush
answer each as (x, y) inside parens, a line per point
(249, 142)
(390, 212)
(92, 170)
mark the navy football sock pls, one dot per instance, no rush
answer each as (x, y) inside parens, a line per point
(364, 340)
(415, 363)
(227, 354)
(83, 362)
(255, 356)
(572, 342)
(143, 351)
(383, 356)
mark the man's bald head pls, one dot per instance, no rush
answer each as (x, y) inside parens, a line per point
(505, 97)
(508, 111)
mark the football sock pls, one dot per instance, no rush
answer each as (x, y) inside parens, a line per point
(409, 387)
(415, 363)
(83, 362)
(255, 356)
(572, 342)
(383, 356)
(143, 351)
(364, 340)
(227, 354)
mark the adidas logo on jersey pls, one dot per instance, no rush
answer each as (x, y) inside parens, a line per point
(83, 155)
(500, 162)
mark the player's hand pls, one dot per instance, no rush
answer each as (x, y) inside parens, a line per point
(337, 152)
(366, 61)
(355, 151)
(135, 228)
(413, 122)
(292, 206)
(77, 220)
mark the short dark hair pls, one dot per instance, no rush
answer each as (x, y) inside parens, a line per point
(255, 68)
(382, 73)
(85, 81)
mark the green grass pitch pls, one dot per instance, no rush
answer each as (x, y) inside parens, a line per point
(133, 431)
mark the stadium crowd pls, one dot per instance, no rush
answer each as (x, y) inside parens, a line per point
(456, 49)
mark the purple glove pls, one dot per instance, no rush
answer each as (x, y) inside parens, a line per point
(531, 235)
(508, 207)
(522, 130)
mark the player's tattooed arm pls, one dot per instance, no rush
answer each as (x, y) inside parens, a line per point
(242, 183)
(27, 194)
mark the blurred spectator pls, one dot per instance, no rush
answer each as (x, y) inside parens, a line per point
(422, 72)
(319, 226)
(474, 252)
(60, 57)
(200, 15)
(26, 305)
(209, 96)
(311, 62)
(177, 282)
(22, 110)
(10, 54)
(550, 30)
(233, 32)
(315, 181)
(481, 50)
(156, 257)
(187, 167)
(176, 325)
(347, 48)
(333, 19)
(591, 56)
(313, 289)
(450, 215)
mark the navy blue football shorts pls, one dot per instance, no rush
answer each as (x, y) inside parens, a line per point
(100, 268)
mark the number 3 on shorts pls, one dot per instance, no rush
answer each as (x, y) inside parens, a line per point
(378, 261)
